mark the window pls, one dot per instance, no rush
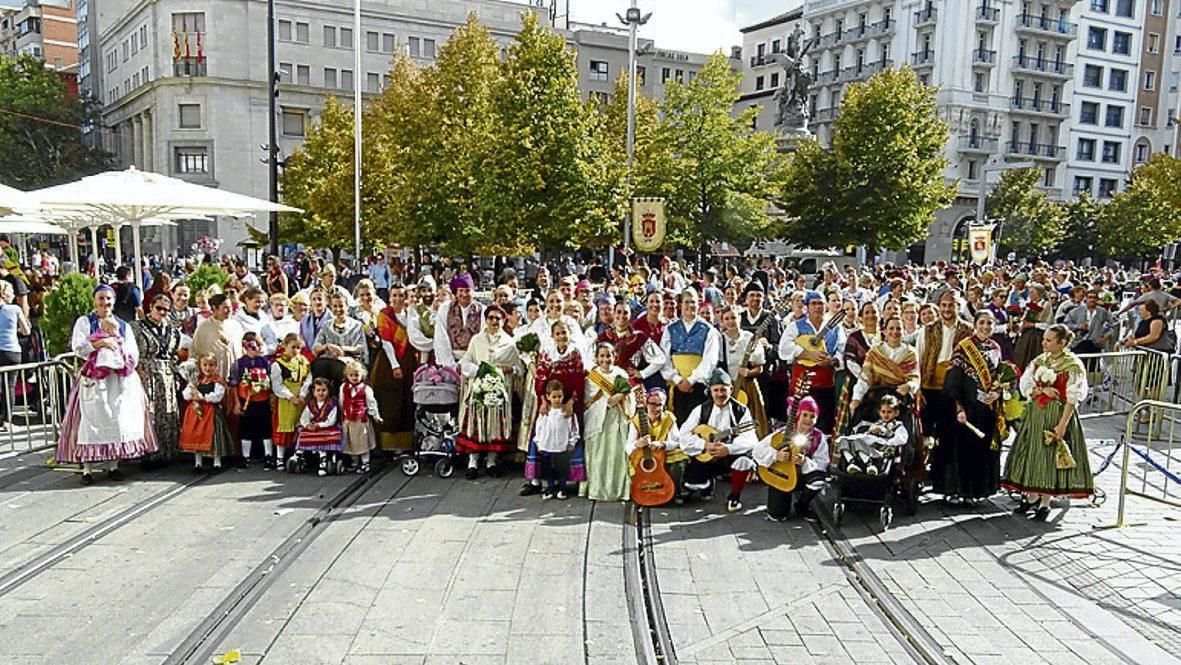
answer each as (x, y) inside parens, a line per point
(329, 77)
(1082, 184)
(1111, 150)
(143, 36)
(1048, 177)
(428, 48)
(1115, 116)
(285, 71)
(1086, 150)
(284, 31)
(372, 82)
(1121, 43)
(135, 80)
(774, 80)
(1154, 7)
(189, 116)
(680, 76)
(303, 74)
(978, 82)
(189, 41)
(1145, 116)
(1117, 80)
(1093, 76)
(415, 46)
(293, 123)
(1125, 8)
(346, 79)
(346, 38)
(971, 169)
(126, 51)
(302, 33)
(776, 46)
(1088, 113)
(1099, 6)
(599, 70)
(1152, 43)
(665, 74)
(134, 43)
(388, 42)
(1149, 80)
(1097, 39)
(192, 160)
(143, 74)
(1177, 44)
(759, 83)
(1140, 154)
(641, 74)
(1106, 187)
(372, 42)
(330, 35)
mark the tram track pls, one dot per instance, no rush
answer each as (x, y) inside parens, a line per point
(650, 631)
(203, 642)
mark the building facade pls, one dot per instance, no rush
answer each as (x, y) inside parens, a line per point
(760, 75)
(44, 29)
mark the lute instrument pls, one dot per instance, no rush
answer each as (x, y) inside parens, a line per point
(713, 435)
(816, 342)
(651, 483)
(783, 476)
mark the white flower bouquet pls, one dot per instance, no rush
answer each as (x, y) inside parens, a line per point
(488, 387)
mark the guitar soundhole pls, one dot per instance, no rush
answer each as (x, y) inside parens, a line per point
(648, 465)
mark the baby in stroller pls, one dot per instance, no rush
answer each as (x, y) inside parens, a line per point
(872, 446)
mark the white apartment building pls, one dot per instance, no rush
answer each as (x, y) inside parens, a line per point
(760, 76)
(185, 83)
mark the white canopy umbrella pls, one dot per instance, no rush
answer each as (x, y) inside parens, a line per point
(31, 226)
(14, 199)
(132, 196)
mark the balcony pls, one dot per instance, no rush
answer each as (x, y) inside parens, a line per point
(1035, 150)
(1045, 25)
(881, 28)
(1047, 107)
(983, 57)
(924, 16)
(986, 14)
(825, 115)
(1050, 68)
(986, 145)
(831, 76)
(866, 70)
(922, 58)
(760, 60)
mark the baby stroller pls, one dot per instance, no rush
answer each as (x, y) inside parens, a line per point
(905, 473)
(436, 398)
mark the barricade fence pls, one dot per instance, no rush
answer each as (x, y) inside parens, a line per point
(1151, 462)
(1118, 380)
(33, 397)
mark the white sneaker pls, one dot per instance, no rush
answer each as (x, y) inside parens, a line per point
(852, 468)
(871, 470)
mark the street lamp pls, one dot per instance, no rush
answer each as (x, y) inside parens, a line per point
(357, 78)
(994, 168)
(633, 19)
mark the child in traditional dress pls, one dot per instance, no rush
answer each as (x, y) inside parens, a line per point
(872, 446)
(204, 430)
(607, 425)
(250, 379)
(291, 378)
(554, 444)
(319, 431)
(105, 360)
(357, 405)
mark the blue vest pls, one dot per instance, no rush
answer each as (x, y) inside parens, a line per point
(690, 342)
(804, 326)
(94, 321)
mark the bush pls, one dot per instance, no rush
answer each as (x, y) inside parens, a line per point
(71, 297)
(205, 275)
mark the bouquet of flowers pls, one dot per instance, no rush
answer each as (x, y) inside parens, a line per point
(257, 380)
(1033, 312)
(527, 347)
(488, 387)
(208, 244)
(621, 386)
(1045, 377)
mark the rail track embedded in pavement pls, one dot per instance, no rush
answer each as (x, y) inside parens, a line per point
(642, 588)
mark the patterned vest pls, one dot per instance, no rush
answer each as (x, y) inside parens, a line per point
(460, 333)
(688, 342)
(932, 372)
(353, 406)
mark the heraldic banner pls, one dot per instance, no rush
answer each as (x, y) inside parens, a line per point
(980, 242)
(648, 224)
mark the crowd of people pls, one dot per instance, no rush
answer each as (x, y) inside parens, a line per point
(571, 367)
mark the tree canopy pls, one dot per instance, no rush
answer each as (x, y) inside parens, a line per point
(1032, 224)
(1146, 215)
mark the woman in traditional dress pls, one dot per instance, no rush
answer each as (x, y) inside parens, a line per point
(561, 361)
(857, 346)
(106, 418)
(1049, 456)
(485, 420)
(1036, 317)
(366, 310)
(965, 466)
(735, 344)
(338, 340)
(159, 342)
(393, 373)
(608, 423)
(635, 352)
(890, 365)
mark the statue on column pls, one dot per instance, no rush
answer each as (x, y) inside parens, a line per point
(792, 99)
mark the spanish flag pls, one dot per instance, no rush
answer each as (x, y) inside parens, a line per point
(175, 46)
(200, 49)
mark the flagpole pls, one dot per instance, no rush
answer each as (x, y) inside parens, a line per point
(358, 76)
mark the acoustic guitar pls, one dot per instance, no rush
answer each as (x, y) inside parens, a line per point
(783, 476)
(712, 435)
(651, 483)
(816, 342)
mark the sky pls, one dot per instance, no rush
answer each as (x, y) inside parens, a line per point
(686, 25)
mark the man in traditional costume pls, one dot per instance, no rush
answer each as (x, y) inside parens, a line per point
(723, 413)
(693, 348)
(773, 379)
(935, 344)
(818, 363)
(457, 322)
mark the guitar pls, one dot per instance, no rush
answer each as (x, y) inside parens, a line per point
(720, 436)
(784, 475)
(816, 342)
(759, 332)
(651, 483)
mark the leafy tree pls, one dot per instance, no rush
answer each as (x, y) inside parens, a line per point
(205, 276)
(1147, 215)
(650, 156)
(40, 127)
(882, 182)
(1080, 238)
(721, 173)
(318, 178)
(1032, 224)
(71, 297)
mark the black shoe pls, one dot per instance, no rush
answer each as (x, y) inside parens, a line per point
(268, 464)
(87, 479)
(493, 471)
(115, 474)
(472, 473)
(733, 503)
(198, 470)
(530, 489)
(1040, 514)
(1022, 508)
(780, 519)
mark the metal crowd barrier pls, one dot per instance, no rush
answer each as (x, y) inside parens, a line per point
(1151, 437)
(1118, 380)
(33, 396)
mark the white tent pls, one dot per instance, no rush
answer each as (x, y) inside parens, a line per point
(132, 196)
(31, 226)
(14, 199)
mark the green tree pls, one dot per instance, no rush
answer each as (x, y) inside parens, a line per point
(41, 127)
(1147, 215)
(651, 157)
(1032, 224)
(882, 182)
(549, 184)
(318, 178)
(71, 297)
(721, 173)
(1080, 238)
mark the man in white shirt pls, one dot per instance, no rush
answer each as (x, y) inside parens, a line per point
(457, 321)
(693, 348)
(736, 428)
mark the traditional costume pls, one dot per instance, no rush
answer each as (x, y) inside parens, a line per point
(692, 349)
(205, 430)
(326, 435)
(250, 381)
(555, 452)
(747, 390)
(663, 430)
(159, 345)
(732, 416)
(485, 425)
(823, 379)
(606, 438)
(395, 396)
(964, 464)
(814, 448)
(936, 343)
(290, 378)
(357, 406)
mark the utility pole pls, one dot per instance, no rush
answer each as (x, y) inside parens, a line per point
(358, 73)
(633, 20)
(272, 128)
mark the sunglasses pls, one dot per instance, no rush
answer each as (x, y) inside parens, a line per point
(494, 318)
(162, 310)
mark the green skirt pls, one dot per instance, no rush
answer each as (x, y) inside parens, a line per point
(1031, 466)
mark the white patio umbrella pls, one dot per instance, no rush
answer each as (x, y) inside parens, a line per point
(14, 199)
(132, 196)
(30, 226)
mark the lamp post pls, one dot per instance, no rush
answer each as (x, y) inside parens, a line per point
(272, 128)
(358, 73)
(633, 19)
(994, 167)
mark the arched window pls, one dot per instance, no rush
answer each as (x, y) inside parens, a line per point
(974, 133)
